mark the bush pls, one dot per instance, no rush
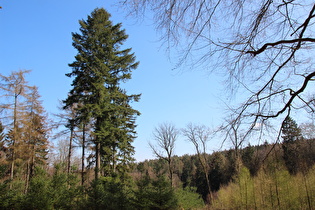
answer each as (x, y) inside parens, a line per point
(109, 193)
(189, 199)
(155, 194)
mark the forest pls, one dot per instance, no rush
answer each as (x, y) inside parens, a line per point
(94, 167)
(266, 176)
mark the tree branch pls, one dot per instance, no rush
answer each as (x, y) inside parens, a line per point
(264, 47)
(293, 95)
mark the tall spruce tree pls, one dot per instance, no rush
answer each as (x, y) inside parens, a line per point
(98, 70)
(291, 134)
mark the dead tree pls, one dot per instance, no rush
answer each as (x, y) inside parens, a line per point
(165, 136)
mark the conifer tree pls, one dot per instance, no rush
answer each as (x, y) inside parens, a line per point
(35, 134)
(99, 68)
(14, 88)
(291, 134)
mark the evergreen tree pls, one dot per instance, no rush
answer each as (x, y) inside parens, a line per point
(291, 134)
(35, 135)
(155, 194)
(99, 68)
(290, 130)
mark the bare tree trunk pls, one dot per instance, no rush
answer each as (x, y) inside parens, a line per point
(307, 190)
(30, 169)
(98, 160)
(70, 150)
(14, 137)
(27, 178)
(83, 155)
(114, 160)
(205, 170)
(199, 136)
(165, 135)
(170, 169)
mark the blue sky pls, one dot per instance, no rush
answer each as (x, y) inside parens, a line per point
(36, 35)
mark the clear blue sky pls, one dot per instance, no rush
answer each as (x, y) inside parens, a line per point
(36, 35)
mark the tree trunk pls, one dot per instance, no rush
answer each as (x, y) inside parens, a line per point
(70, 150)
(83, 154)
(98, 160)
(170, 169)
(205, 170)
(27, 178)
(114, 160)
(14, 137)
(30, 169)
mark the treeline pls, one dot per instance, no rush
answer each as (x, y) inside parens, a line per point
(224, 167)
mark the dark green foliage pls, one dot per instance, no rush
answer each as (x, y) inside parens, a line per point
(160, 167)
(290, 130)
(155, 194)
(189, 199)
(109, 193)
(57, 192)
(189, 171)
(250, 159)
(11, 198)
(142, 199)
(65, 190)
(201, 182)
(162, 194)
(98, 70)
(291, 135)
(218, 173)
(39, 195)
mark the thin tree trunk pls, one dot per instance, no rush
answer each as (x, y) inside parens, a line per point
(27, 178)
(70, 150)
(170, 170)
(205, 170)
(30, 169)
(83, 155)
(32, 166)
(307, 191)
(12, 165)
(114, 160)
(98, 160)
(14, 138)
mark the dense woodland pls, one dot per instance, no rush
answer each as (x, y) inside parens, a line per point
(97, 120)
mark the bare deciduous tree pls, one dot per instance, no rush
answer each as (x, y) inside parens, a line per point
(308, 130)
(264, 47)
(165, 136)
(67, 120)
(199, 135)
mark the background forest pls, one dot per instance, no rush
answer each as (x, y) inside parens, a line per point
(94, 167)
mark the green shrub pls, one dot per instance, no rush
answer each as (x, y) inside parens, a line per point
(189, 199)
